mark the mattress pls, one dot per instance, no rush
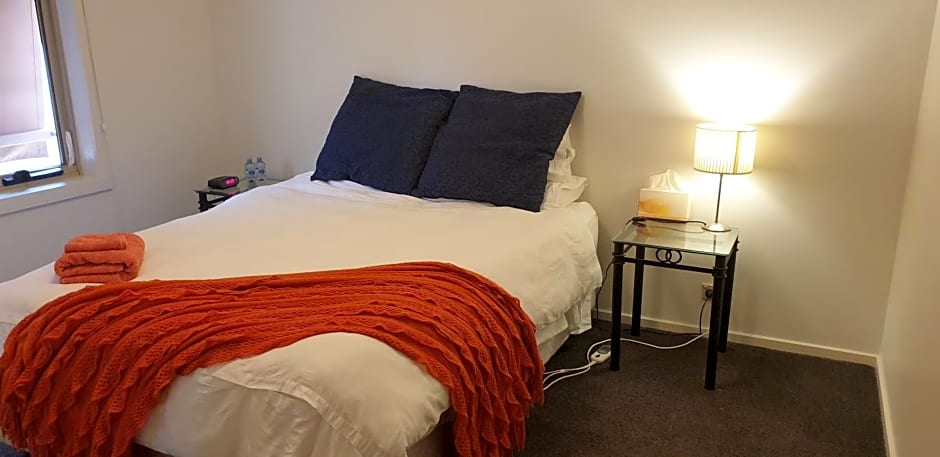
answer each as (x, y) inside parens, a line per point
(340, 393)
(179, 415)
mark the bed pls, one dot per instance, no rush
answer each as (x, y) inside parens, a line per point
(341, 393)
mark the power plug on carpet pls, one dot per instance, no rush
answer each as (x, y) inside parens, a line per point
(601, 354)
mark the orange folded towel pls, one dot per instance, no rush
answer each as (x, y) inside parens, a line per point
(98, 242)
(101, 258)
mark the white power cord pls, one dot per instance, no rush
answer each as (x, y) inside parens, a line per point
(666, 348)
(602, 355)
(547, 386)
(593, 358)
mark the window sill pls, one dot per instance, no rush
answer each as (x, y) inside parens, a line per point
(35, 194)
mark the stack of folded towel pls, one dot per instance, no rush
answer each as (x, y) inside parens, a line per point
(101, 258)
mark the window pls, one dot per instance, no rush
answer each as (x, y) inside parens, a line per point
(50, 115)
(35, 116)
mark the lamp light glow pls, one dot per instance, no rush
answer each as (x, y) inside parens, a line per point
(724, 149)
(734, 91)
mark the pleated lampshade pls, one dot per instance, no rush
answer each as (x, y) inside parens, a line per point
(724, 148)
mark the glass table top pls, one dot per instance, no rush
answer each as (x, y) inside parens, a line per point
(242, 186)
(686, 237)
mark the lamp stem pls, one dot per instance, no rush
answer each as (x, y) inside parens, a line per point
(721, 178)
(716, 226)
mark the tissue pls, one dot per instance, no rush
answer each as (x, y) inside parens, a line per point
(670, 181)
(665, 198)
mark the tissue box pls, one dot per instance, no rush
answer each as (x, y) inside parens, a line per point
(664, 204)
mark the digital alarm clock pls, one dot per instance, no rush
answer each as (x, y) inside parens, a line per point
(223, 182)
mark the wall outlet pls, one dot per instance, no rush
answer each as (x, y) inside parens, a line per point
(707, 290)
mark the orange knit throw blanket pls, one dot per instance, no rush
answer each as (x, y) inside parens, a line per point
(80, 376)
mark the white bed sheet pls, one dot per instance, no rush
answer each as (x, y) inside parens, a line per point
(338, 393)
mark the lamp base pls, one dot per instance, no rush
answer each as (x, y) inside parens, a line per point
(716, 227)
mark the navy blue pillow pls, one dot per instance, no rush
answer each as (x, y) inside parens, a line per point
(496, 147)
(382, 135)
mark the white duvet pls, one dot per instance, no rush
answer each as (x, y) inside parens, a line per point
(336, 394)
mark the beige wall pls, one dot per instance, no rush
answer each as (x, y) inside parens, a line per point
(833, 86)
(910, 371)
(155, 75)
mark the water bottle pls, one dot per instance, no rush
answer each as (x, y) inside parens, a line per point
(260, 169)
(249, 170)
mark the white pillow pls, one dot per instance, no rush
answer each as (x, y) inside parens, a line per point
(560, 166)
(559, 194)
(563, 188)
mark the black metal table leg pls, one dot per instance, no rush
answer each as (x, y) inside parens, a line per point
(637, 291)
(203, 202)
(714, 324)
(726, 299)
(616, 308)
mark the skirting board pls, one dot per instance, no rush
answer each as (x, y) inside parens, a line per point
(768, 342)
(885, 410)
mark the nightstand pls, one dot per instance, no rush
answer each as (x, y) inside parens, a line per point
(205, 194)
(668, 241)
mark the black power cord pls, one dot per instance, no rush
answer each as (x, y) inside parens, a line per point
(701, 312)
(641, 221)
(597, 296)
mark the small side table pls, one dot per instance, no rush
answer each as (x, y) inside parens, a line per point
(670, 240)
(207, 203)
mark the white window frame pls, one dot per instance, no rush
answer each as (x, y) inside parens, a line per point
(88, 142)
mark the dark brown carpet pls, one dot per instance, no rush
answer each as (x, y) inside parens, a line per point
(767, 404)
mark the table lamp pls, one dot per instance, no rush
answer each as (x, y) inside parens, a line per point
(726, 150)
